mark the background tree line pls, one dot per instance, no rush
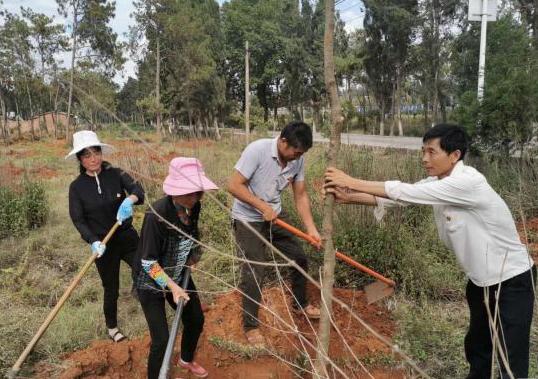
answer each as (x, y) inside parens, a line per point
(414, 63)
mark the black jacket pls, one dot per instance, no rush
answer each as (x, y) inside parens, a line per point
(94, 213)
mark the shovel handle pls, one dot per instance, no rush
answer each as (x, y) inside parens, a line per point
(17, 366)
(167, 359)
(339, 255)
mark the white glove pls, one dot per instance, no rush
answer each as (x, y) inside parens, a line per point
(98, 248)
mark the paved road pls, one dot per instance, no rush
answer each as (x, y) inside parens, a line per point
(410, 143)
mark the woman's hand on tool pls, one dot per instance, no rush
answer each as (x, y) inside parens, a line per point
(177, 292)
(98, 248)
(125, 210)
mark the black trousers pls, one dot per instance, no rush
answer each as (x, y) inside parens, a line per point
(121, 247)
(516, 301)
(154, 311)
(252, 275)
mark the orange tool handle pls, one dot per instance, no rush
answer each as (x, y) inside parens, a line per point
(339, 255)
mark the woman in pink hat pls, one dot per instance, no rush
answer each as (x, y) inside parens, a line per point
(98, 198)
(162, 255)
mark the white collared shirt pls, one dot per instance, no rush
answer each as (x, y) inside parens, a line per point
(472, 220)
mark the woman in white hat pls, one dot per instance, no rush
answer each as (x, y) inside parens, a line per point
(163, 253)
(98, 198)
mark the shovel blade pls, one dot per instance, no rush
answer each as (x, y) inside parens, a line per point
(377, 291)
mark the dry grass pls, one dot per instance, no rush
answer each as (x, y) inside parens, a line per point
(429, 308)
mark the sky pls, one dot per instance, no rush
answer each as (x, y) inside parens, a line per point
(351, 11)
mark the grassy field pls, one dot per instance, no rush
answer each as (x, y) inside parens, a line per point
(429, 306)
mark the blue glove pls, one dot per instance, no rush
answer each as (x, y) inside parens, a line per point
(125, 210)
(98, 248)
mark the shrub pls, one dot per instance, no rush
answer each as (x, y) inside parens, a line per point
(36, 205)
(20, 211)
(12, 213)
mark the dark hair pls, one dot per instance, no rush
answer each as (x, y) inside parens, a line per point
(298, 134)
(451, 138)
(79, 154)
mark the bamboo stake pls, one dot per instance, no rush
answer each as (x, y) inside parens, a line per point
(17, 366)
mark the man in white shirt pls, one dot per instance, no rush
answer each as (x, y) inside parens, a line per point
(475, 223)
(265, 169)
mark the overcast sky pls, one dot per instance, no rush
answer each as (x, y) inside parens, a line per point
(351, 11)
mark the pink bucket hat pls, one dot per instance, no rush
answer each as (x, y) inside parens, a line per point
(186, 175)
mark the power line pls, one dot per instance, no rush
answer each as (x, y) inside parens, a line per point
(353, 18)
(351, 6)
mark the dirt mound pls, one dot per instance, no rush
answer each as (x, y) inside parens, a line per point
(224, 351)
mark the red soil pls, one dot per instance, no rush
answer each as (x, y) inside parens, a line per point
(104, 359)
(11, 174)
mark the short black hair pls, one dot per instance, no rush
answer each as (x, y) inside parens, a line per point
(452, 137)
(298, 134)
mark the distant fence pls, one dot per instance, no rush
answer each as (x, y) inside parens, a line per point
(45, 121)
(404, 108)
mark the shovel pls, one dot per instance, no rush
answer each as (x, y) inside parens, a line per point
(381, 288)
(12, 373)
(165, 366)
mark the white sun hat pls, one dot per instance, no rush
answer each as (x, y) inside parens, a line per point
(84, 139)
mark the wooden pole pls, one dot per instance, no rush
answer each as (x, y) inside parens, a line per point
(17, 366)
(158, 90)
(247, 94)
(72, 75)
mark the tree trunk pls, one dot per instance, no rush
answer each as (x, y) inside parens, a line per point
(382, 119)
(205, 125)
(72, 75)
(348, 84)
(398, 103)
(435, 101)
(56, 110)
(197, 127)
(158, 90)
(191, 124)
(216, 126)
(19, 131)
(320, 368)
(393, 109)
(435, 15)
(317, 116)
(3, 121)
(442, 105)
(31, 111)
(426, 117)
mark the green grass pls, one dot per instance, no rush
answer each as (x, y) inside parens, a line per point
(429, 307)
(240, 350)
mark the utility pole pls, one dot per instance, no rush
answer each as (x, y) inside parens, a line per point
(483, 11)
(482, 59)
(247, 94)
(68, 135)
(158, 90)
